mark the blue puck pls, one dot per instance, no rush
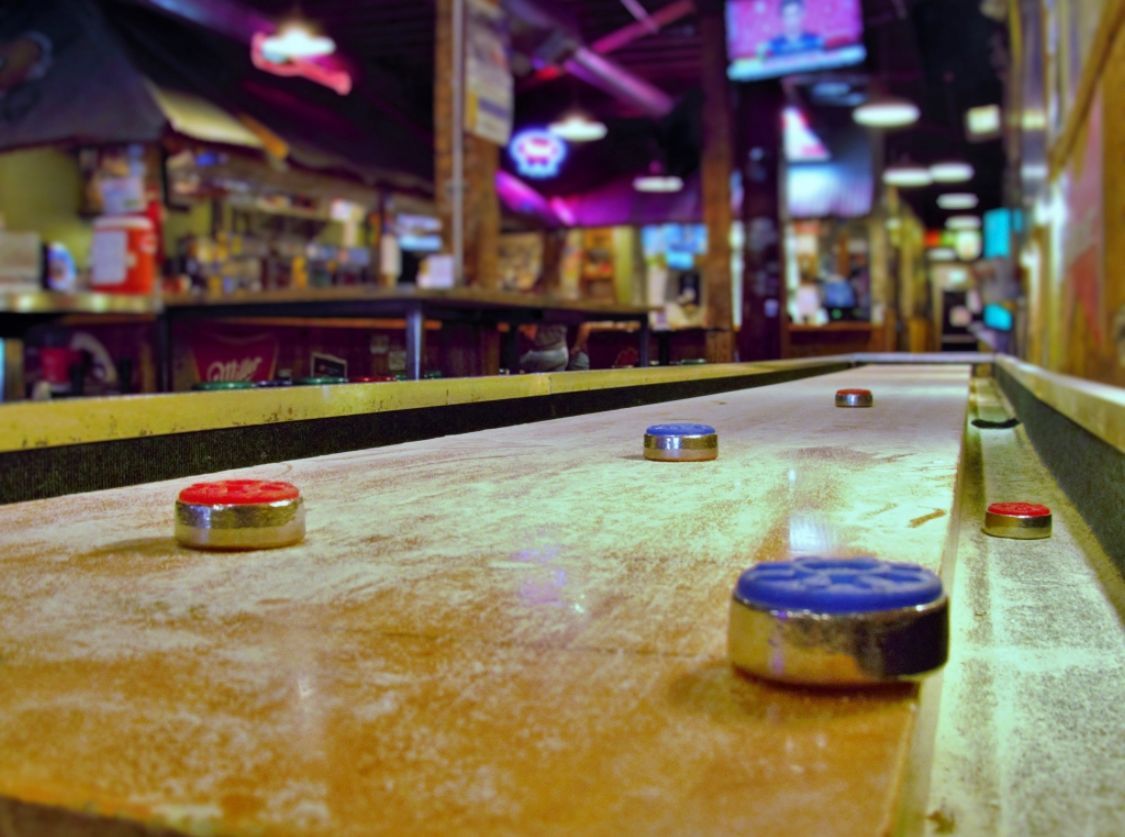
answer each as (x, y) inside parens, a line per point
(681, 441)
(837, 585)
(681, 429)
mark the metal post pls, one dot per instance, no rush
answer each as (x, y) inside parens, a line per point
(457, 188)
(163, 352)
(510, 351)
(415, 342)
(11, 369)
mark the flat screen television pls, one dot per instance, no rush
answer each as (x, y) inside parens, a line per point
(679, 243)
(998, 317)
(999, 226)
(770, 38)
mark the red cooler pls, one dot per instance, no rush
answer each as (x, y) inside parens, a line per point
(123, 259)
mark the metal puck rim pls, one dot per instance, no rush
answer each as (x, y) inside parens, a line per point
(238, 515)
(847, 398)
(1017, 527)
(703, 441)
(808, 648)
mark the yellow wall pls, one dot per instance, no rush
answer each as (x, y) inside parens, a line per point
(41, 191)
(1085, 320)
(625, 245)
(195, 221)
(1111, 362)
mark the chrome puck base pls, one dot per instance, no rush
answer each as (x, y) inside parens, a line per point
(681, 447)
(242, 526)
(833, 649)
(1007, 520)
(849, 398)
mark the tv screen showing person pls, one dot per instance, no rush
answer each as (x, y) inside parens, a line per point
(794, 38)
(769, 38)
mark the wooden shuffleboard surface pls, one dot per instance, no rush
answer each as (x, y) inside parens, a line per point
(511, 630)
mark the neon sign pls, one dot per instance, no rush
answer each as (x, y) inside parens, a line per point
(537, 153)
(270, 60)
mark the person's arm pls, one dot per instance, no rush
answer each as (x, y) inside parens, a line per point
(582, 337)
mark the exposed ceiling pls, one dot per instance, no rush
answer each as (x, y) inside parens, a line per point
(944, 54)
(962, 56)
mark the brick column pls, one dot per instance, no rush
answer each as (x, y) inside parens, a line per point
(482, 207)
(717, 164)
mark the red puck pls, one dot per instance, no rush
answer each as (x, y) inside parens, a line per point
(238, 493)
(1023, 521)
(240, 515)
(1020, 509)
(854, 397)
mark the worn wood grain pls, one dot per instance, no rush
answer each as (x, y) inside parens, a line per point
(517, 630)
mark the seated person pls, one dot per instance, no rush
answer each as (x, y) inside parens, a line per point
(793, 40)
(579, 356)
(548, 349)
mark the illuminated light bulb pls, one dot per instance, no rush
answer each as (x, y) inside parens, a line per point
(907, 177)
(296, 41)
(886, 112)
(951, 172)
(658, 183)
(1033, 119)
(957, 200)
(983, 121)
(576, 127)
(963, 222)
(942, 254)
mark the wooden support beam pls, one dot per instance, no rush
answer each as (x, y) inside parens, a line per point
(481, 160)
(763, 332)
(717, 165)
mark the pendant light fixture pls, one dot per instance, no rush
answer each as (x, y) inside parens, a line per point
(907, 176)
(963, 222)
(957, 200)
(886, 112)
(297, 41)
(883, 109)
(576, 126)
(657, 180)
(656, 183)
(951, 171)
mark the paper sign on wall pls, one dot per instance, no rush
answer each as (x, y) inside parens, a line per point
(489, 96)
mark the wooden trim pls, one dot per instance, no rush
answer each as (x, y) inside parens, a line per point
(1112, 24)
(32, 425)
(1098, 408)
(389, 324)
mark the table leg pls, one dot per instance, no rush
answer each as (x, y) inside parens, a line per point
(11, 369)
(510, 351)
(642, 355)
(163, 353)
(415, 342)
